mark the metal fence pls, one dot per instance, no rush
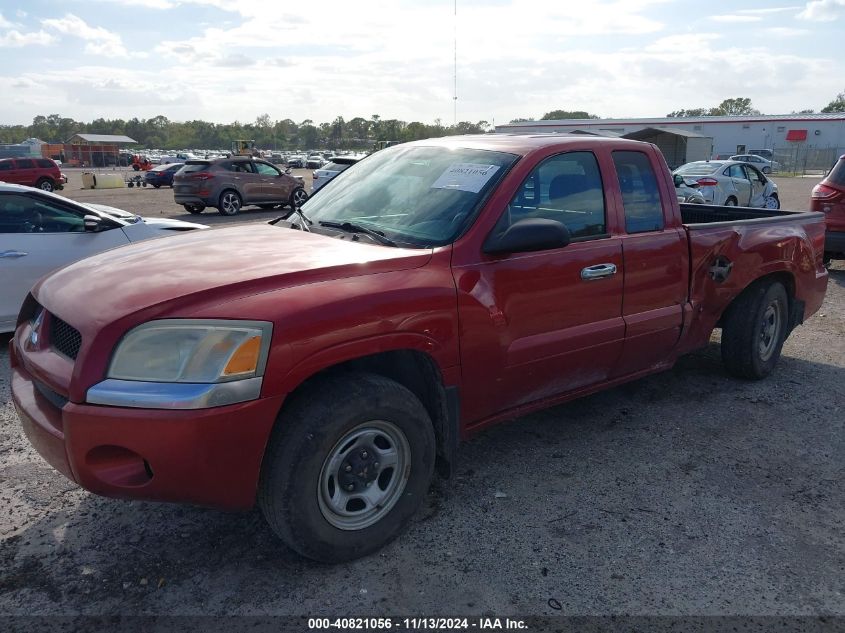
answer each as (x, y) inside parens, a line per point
(798, 159)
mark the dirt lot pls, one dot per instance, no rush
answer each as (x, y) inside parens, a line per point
(688, 493)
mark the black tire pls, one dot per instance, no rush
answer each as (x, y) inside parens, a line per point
(45, 184)
(196, 209)
(767, 170)
(267, 206)
(750, 349)
(309, 431)
(298, 197)
(136, 167)
(730, 202)
(157, 186)
(229, 203)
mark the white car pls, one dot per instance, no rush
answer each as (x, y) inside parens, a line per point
(730, 183)
(763, 164)
(181, 157)
(42, 231)
(330, 170)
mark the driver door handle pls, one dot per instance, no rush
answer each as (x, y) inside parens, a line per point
(598, 271)
(12, 254)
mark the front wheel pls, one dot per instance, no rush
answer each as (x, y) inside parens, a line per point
(45, 184)
(771, 202)
(298, 197)
(767, 170)
(230, 203)
(347, 466)
(730, 202)
(754, 329)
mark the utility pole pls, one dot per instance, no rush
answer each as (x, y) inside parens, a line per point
(455, 98)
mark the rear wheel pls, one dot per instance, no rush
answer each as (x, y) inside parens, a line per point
(45, 184)
(754, 329)
(194, 208)
(730, 202)
(229, 203)
(298, 197)
(347, 466)
(767, 170)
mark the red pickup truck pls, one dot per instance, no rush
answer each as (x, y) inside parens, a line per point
(324, 365)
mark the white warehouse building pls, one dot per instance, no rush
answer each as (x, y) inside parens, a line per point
(798, 141)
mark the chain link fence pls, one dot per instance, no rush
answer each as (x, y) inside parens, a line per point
(801, 160)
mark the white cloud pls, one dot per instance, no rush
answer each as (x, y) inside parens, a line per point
(735, 18)
(787, 31)
(4, 23)
(16, 39)
(823, 10)
(767, 11)
(100, 41)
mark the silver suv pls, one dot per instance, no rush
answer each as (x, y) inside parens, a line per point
(231, 183)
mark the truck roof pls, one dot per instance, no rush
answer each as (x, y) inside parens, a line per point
(521, 143)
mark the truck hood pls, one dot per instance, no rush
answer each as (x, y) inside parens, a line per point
(159, 276)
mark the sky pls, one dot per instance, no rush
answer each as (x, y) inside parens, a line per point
(227, 60)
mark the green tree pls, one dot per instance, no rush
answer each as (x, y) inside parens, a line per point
(837, 105)
(567, 114)
(736, 106)
(692, 112)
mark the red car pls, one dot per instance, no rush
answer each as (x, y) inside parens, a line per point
(829, 197)
(32, 172)
(323, 366)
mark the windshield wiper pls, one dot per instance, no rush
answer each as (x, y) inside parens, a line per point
(351, 227)
(306, 221)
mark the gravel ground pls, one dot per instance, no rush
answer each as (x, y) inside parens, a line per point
(686, 493)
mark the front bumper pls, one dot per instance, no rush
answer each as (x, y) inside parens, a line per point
(209, 457)
(834, 241)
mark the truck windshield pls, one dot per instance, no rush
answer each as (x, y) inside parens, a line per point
(423, 196)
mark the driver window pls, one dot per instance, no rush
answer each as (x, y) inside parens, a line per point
(756, 177)
(566, 188)
(267, 170)
(25, 214)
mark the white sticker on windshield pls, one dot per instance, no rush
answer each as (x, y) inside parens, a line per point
(465, 177)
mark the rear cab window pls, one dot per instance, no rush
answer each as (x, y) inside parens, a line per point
(640, 192)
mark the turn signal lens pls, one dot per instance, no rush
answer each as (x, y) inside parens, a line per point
(245, 358)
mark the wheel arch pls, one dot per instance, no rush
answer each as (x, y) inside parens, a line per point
(787, 279)
(417, 371)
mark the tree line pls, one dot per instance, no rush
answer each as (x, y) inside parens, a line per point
(358, 133)
(159, 132)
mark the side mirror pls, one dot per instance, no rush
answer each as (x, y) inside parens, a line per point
(93, 223)
(531, 234)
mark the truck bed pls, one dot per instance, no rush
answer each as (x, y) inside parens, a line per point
(729, 247)
(694, 214)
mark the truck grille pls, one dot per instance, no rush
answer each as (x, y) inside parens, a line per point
(65, 338)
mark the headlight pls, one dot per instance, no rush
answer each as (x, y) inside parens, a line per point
(192, 351)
